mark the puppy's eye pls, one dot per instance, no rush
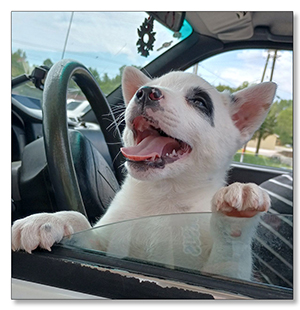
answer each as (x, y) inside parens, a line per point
(198, 102)
(199, 99)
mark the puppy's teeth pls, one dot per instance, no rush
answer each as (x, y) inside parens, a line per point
(180, 153)
(174, 153)
(167, 154)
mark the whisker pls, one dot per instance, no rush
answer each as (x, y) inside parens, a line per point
(119, 98)
(117, 106)
(108, 119)
(116, 158)
(118, 103)
(123, 170)
(120, 118)
(114, 112)
(117, 122)
(109, 127)
(114, 143)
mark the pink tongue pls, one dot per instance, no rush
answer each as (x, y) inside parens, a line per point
(150, 148)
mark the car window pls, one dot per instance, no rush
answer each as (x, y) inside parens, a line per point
(105, 42)
(272, 144)
(178, 246)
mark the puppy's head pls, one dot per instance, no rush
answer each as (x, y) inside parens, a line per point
(179, 125)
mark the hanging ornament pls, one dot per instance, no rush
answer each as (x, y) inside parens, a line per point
(146, 37)
(165, 45)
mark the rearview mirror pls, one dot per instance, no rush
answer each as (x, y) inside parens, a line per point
(172, 20)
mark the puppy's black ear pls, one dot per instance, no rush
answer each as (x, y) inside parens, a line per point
(250, 108)
(132, 80)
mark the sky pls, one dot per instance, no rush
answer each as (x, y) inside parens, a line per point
(234, 67)
(106, 41)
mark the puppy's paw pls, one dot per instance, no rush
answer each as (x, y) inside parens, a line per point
(44, 229)
(241, 200)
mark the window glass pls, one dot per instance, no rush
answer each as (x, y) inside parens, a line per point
(178, 241)
(103, 41)
(272, 145)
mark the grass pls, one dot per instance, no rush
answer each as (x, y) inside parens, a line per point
(260, 160)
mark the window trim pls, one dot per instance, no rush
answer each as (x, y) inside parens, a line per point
(90, 273)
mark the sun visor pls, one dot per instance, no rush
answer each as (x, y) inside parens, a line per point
(228, 25)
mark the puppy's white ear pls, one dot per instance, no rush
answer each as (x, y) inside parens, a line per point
(132, 80)
(250, 108)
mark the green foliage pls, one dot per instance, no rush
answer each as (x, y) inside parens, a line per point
(260, 160)
(279, 120)
(48, 62)
(266, 129)
(221, 87)
(19, 64)
(284, 126)
(106, 83)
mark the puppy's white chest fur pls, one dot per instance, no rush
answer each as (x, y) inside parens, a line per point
(138, 199)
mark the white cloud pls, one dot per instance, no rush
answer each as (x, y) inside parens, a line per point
(102, 32)
(103, 40)
(42, 31)
(108, 41)
(251, 55)
(235, 67)
(283, 72)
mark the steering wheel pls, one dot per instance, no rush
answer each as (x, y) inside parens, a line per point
(55, 130)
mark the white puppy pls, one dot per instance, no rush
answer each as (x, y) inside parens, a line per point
(180, 137)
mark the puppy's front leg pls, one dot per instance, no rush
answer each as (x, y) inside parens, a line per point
(236, 212)
(44, 229)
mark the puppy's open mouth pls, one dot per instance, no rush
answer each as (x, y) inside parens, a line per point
(153, 145)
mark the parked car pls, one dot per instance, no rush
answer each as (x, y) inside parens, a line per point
(74, 163)
(75, 109)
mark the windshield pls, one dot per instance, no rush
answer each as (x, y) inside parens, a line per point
(105, 42)
(177, 245)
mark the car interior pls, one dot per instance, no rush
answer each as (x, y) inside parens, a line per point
(60, 164)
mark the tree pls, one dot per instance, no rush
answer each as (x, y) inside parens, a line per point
(106, 83)
(283, 112)
(265, 130)
(221, 87)
(19, 64)
(48, 62)
(278, 121)
(284, 126)
(281, 105)
(95, 75)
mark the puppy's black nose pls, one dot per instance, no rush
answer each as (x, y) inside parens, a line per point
(148, 95)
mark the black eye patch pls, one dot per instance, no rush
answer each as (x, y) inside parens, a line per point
(201, 101)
